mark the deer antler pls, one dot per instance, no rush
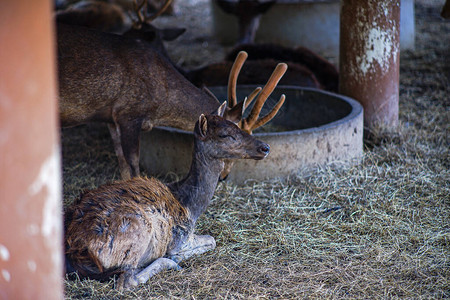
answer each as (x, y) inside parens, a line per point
(139, 9)
(160, 11)
(232, 81)
(252, 122)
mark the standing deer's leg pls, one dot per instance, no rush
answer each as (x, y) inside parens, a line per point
(196, 244)
(125, 171)
(129, 139)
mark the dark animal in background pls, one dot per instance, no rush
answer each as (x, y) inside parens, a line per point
(249, 13)
(325, 72)
(126, 5)
(445, 12)
(108, 17)
(253, 72)
(143, 30)
(111, 17)
(139, 227)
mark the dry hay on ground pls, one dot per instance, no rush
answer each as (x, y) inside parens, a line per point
(379, 229)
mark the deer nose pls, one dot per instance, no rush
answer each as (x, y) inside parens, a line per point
(264, 149)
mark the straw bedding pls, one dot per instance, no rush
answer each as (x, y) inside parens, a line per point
(379, 229)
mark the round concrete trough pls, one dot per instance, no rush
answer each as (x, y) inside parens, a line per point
(318, 128)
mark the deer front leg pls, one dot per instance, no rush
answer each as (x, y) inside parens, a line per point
(124, 167)
(125, 136)
(129, 137)
(128, 280)
(196, 244)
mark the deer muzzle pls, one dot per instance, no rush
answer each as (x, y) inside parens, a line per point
(263, 150)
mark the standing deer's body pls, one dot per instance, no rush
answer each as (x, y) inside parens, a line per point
(139, 227)
(125, 83)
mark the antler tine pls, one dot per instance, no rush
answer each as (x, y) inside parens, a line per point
(251, 97)
(232, 79)
(159, 12)
(265, 93)
(270, 115)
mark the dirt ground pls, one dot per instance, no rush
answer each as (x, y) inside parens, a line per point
(380, 229)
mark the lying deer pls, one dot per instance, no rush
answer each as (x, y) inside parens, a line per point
(139, 227)
(124, 82)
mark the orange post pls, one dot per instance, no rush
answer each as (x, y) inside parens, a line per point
(369, 57)
(31, 260)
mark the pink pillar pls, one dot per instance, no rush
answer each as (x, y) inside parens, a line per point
(370, 57)
(31, 261)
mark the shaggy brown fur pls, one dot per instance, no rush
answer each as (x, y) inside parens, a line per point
(123, 225)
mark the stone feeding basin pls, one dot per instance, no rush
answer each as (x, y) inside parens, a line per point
(312, 128)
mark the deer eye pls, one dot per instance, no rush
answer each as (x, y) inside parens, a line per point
(225, 136)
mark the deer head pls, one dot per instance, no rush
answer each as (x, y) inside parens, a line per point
(227, 140)
(235, 110)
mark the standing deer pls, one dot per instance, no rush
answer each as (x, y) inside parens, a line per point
(139, 227)
(125, 83)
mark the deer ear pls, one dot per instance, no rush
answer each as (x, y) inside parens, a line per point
(202, 126)
(221, 110)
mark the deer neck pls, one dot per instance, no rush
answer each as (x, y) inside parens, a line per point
(196, 190)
